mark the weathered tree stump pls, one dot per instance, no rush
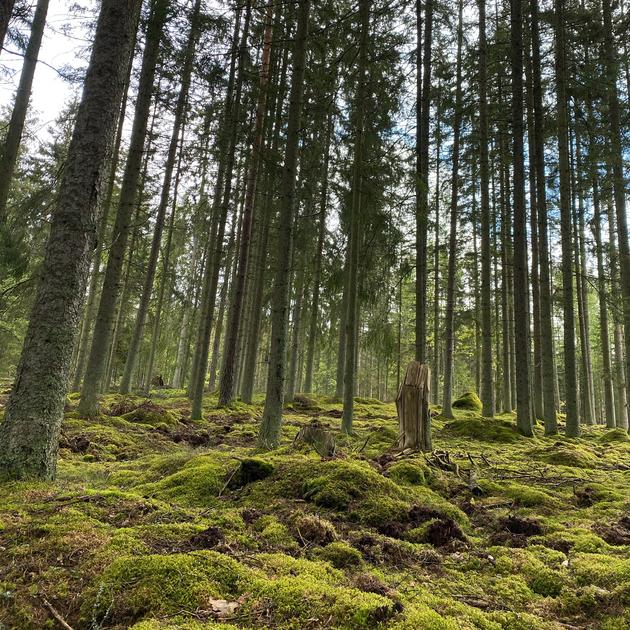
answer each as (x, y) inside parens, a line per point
(412, 405)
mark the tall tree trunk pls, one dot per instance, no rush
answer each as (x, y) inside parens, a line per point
(230, 357)
(435, 374)
(423, 104)
(29, 434)
(321, 233)
(9, 154)
(524, 416)
(620, 372)
(570, 378)
(271, 425)
(147, 289)
(90, 307)
(166, 256)
(292, 379)
(352, 315)
(546, 314)
(616, 161)
(228, 135)
(128, 202)
(449, 317)
(271, 177)
(487, 379)
(609, 396)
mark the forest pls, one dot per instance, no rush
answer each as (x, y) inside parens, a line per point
(314, 314)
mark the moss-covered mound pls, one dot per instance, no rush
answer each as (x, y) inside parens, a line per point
(468, 401)
(485, 429)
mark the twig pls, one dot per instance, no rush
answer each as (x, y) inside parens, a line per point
(53, 611)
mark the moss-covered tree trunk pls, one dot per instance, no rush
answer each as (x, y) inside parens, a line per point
(29, 434)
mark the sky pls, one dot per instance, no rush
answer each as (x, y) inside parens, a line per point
(60, 46)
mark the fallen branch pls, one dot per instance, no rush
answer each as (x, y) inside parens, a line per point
(55, 613)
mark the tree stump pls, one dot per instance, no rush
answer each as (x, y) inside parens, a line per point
(412, 405)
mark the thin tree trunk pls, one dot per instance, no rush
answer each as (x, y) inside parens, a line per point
(34, 412)
(616, 162)
(147, 289)
(271, 425)
(230, 357)
(228, 135)
(487, 379)
(103, 336)
(352, 317)
(570, 378)
(449, 317)
(9, 154)
(546, 314)
(323, 203)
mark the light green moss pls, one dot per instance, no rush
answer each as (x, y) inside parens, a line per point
(469, 401)
(486, 429)
(410, 472)
(340, 554)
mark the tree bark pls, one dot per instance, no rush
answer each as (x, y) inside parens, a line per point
(449, 317)
(147, 289)
(128, 202)
(230, 357)
(29, 434)
(6, 11)
(570, 380)
(271, 425)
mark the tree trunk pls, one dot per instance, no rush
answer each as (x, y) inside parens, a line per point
(487, 378)
(128, 202)
(29, 434)
(449, 317)
(524, 416)
(147, 289)
(352, 327)
(616, 163)
(412, 405)
(271, 424)
(9, 155)
(570, 379)
(230, 357)
(323, 203)
(546, 314)
(228, 135)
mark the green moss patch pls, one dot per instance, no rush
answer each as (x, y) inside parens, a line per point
(468, 401)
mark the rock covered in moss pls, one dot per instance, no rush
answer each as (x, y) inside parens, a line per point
(486, 429)
(468, 401)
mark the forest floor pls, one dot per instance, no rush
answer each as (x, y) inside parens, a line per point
(157, 522)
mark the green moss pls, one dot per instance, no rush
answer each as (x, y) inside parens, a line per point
(513, 590)
(151, 414)
(197, 484)
(600, 570)
(615, 435)
(547, 583)
(566, 454)
(340, 554)
(274, 533)
(132, 587)
(313, 529)
(410, 472)
(486, 429)
(469, 401)
(423, 617)
(522, 495)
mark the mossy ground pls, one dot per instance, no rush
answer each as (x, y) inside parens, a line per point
(159, 523)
